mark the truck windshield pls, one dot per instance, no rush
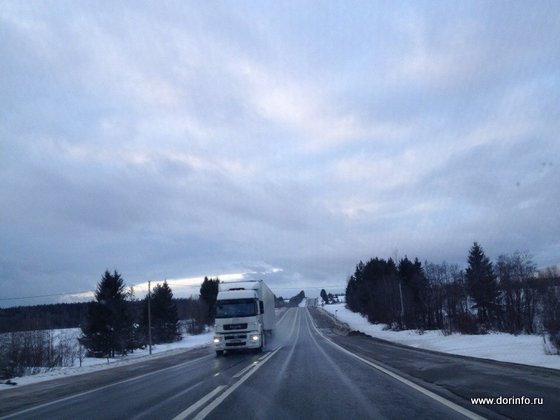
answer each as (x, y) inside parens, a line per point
(236, 308)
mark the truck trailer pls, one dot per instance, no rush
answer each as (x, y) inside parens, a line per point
(244, 316)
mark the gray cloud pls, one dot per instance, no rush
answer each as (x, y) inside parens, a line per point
(284, 141)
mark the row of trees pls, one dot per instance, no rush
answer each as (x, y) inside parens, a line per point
(42, 317)
(297, 299)
(73, 315)
(111, 326)
(329, 298)
(509, 295)
(280, 302)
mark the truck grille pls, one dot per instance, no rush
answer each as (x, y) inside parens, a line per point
(235, 340)
(229, 327)
(236, 337)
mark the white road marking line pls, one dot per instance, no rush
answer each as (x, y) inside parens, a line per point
(455, 407)
(91, 391)
(199, 403)
(282, 318)
(209, 408)
(241, 372)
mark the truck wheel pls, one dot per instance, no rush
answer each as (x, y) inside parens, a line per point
(219, 353)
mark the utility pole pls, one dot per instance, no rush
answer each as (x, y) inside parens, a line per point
(402, 305)
(149, 318)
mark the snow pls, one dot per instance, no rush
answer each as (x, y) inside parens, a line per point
(91, 364)
(523, 349)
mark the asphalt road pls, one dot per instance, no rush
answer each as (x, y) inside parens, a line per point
(459, 378)
(301, 375)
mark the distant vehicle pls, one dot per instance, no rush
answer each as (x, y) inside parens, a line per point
(244, 316)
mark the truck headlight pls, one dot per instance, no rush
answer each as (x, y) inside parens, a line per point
(255, 337)
(217, 339)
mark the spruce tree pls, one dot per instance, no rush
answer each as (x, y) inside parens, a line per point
(108, 328)
(413, 287)
(165, 319)
(482, 284)
(324, 296)
(209, 294)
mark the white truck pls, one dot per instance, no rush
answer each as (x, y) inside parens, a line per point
(244, 316)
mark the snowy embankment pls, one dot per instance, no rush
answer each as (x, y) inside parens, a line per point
(524, 349)
(91, 364)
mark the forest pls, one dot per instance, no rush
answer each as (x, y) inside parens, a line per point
(508, 295)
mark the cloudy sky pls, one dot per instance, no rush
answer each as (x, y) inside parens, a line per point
(275, 140)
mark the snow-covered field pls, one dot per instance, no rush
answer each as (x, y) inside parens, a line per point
(90, 364)
(524, 349)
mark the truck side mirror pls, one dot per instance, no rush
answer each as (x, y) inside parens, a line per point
(261, 306)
